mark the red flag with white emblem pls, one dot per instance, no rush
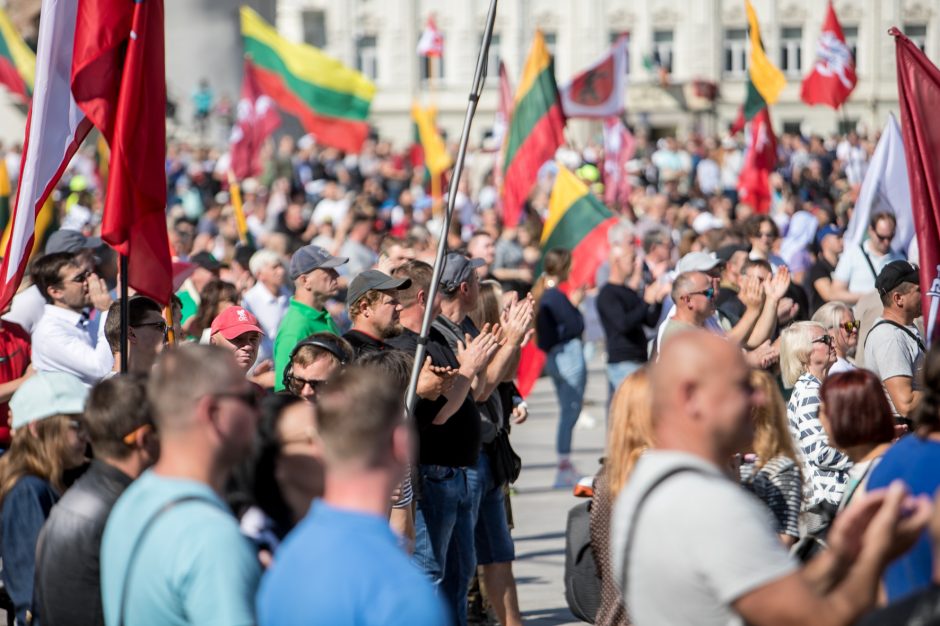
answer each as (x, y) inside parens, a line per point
(257, 119)
(833, 76)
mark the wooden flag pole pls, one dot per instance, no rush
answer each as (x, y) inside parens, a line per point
(125, 313)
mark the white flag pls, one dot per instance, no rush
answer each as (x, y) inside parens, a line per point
(885, 190)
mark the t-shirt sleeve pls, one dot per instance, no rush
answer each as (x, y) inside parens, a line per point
(843, 271)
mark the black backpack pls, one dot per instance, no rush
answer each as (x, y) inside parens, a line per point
(582, 584)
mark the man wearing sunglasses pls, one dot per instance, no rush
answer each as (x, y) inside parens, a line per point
(694, 296)
(860, 264)
(62, 340)
(146, 334)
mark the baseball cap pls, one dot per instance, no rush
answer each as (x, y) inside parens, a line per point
(457, 269)
(205, 261)
(895, 273)
(725, 253)
(375, 280)
(705, 222)
(64, 240)
(828, 229)
(235, 321)
(697, 262)
(312, 257)
(46, 394)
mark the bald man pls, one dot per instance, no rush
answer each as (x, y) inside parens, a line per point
(683, 528)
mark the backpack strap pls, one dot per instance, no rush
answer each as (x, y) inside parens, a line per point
(636, 516)
(871, 265)
(917, 340)
(169, 506)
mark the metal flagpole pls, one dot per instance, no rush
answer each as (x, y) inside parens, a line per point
(125, 313)
(476, 90)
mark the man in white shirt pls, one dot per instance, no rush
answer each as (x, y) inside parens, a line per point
(859, 265)
(682, 529)
(269, 299)
(62, 341)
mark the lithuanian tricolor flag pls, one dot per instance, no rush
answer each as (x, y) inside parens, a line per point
(765, 81)
(330, 100)
(17, 61)
(579, 222)
(536, 130)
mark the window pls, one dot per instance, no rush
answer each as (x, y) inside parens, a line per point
(429, 67)
(791, 50)
(792, 127)
(314, 23)
(735, 52)
(662, 49)
(492, 60)
(851, 40)
(550, 39)
(918, 34)
(847, 126)
(614, 36)
(367, 56)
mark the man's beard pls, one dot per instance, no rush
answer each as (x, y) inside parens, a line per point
(392, 330)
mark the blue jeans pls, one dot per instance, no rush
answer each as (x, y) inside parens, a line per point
(493, 541)
(444, 525)
(568, 371)
(616, 373)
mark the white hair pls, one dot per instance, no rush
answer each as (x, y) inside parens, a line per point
(261, 259)
(796, 344)
(620, 232)
(830, 314)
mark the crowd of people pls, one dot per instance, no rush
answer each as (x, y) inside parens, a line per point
(254, 463)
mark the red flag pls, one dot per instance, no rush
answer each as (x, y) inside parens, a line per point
(919, 95)
(619, 148)
(431, 43)
(257, 119)
(833, 76)
(118, 81)
(760, 160)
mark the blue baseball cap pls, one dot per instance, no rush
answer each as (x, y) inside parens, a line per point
(47, 394)
(828, 229)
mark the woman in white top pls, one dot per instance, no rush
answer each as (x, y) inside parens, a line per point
(839, 321)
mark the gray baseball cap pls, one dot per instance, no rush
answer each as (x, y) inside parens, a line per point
(697, 262)
(457, 269)
(375, 280)
(64, 240)
(312, 257)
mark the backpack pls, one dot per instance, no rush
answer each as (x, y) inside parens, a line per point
(582, 584)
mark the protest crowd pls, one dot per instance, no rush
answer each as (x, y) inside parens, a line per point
(243, 454)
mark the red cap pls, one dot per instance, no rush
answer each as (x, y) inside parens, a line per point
(235, 321)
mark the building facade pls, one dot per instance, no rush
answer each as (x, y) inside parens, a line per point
(679, 50)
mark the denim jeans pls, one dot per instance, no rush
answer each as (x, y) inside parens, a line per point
(491, 538)
(444, 526)
(617, 372)
(568, 371)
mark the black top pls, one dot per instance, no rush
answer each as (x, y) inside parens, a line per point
(455, 443)
(922, 609)
(623, 314)
(68, 579)
(820, 269)
(363, 343)
(558, 321)
(729, 305)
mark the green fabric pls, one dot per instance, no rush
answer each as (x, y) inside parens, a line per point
(299, 322)
(754, 101)
(189, 304)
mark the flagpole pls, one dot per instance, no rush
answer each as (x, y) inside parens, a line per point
(473, 99)
(125, 313)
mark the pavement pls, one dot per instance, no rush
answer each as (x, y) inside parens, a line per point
(541, 512)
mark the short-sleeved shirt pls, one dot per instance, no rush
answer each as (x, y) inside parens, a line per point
(821, 269)
(854, 270)
(721, 535)
(891, 352)
(345, 568)
(193, 566)
(299, 322)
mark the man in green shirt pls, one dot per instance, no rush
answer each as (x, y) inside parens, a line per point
(313, 271)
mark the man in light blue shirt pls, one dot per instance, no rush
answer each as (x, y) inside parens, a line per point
(172, 553)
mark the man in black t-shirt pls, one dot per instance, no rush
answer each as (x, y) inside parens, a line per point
(819, 277)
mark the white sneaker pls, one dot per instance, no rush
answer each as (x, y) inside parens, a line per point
(586, 421)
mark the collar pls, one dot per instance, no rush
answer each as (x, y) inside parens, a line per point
(365, 338)
(73, 318)
(110, 472)
(307, 310)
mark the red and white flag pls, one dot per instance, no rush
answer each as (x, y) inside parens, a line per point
(833, 76)
(919, 95)
(599, 90)
(55, 129)
(257, 118)
(431, 43)
(619, 148)
(501, 124)
(760, 160)
(119, 81)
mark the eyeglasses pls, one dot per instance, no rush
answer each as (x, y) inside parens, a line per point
(130, 438)
(76, 425)
(708, 293)
(161, 325)
(78, 278)
(850, 327)
(248, 397)
(826, 339)
(296, 384)
(884, 237)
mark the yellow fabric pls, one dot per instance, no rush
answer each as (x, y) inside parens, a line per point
(4, 179)
(566, 191)
(306, 62)
(767, 78)
(235, 193)
(23, 56)
(436, 157)
(538, 61)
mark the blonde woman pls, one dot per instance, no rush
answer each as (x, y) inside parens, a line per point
(629, 434)
(837, 318)
(806, 354)
(772, 472)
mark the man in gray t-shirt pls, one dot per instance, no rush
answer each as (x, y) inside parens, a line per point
(894, 349)
(690, 547)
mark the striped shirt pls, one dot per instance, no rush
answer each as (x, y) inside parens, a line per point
(825, 467)
(779, 485)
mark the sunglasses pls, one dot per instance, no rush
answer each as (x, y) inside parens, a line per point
(296, 384)
(708, 293)
(248, 397)
(826, 339)
(78, 278)
(851, 327)
(161, 325)
(884, 237)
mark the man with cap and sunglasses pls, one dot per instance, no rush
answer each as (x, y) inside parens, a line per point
(313, 271)
(894, 349)
(374, 309)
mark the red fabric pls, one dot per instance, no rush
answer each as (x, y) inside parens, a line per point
(539, 147)
(739, 122)
(919, 91)
(833, 77)
(531, 362)
(15, 356)
(118, 80)
(619, 148)
(11, 79)
(590, 253)
(760, 160)
(257, 119)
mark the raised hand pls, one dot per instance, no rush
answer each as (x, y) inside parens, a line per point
(776, 286)
(98, 293)
(474, 354)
